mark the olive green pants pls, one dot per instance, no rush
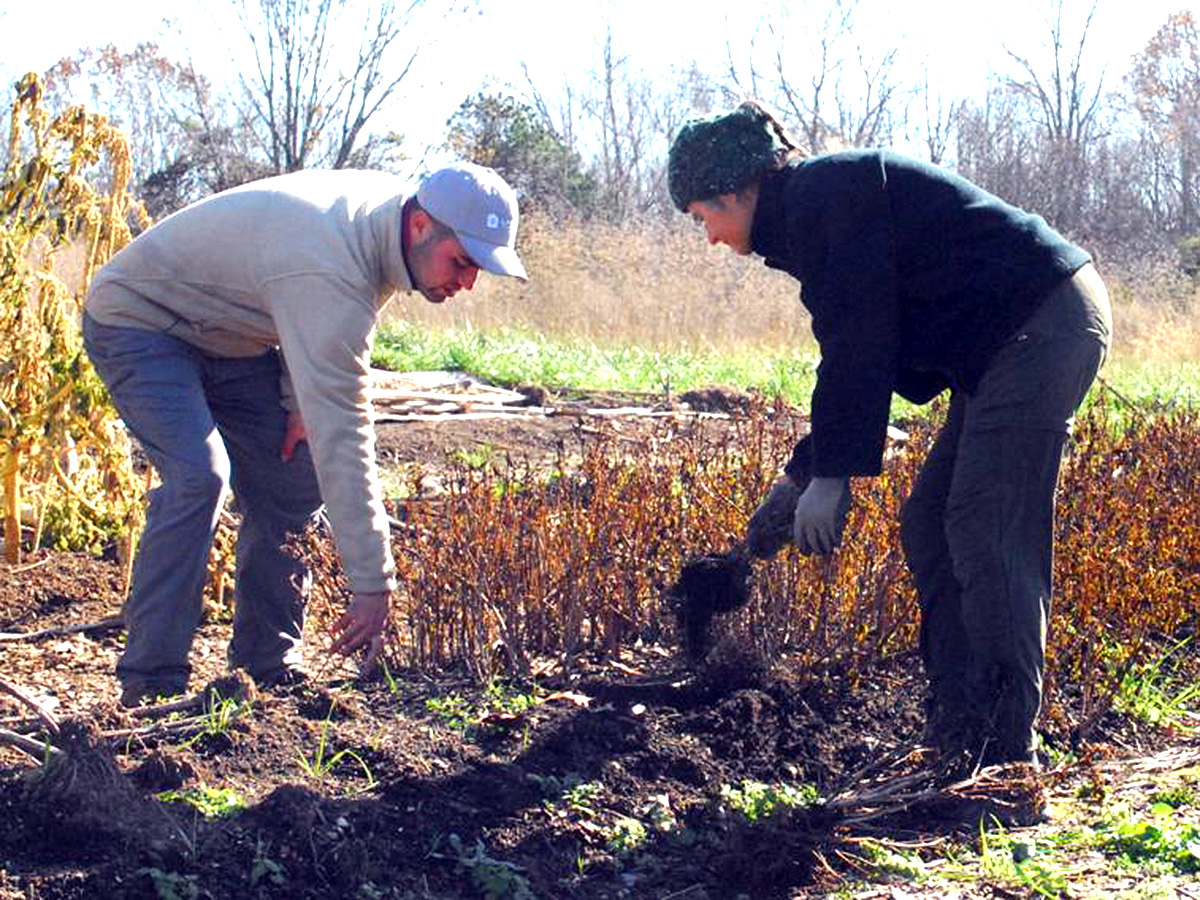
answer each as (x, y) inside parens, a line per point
(978, 528)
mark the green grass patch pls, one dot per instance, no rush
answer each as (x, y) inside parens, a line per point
(512, 356)
(515, 357)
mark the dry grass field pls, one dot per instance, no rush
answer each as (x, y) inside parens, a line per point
(662, 285)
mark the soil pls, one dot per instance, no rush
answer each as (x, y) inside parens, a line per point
(420, 785)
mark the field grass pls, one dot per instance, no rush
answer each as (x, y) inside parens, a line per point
(510, 356)
(650, 306)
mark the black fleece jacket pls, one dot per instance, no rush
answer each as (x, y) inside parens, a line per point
(914, 277)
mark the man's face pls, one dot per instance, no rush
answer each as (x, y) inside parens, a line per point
(727, 219)
(440, 267)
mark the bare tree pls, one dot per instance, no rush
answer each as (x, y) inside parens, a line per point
(311, 106)
(1065, 107)
(1166, 94)
(935, 127)
(620, 121)
(831, 90)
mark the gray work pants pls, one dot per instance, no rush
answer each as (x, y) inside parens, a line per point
(978, 528)
(209, 425)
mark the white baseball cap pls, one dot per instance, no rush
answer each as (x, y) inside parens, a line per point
(481, 209)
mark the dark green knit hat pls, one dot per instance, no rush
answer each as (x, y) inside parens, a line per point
(721, 154)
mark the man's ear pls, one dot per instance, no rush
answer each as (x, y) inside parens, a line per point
(420, 226)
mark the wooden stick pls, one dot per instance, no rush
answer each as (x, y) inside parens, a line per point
(38, 710)
(36, 749)
(61, 630)
(496, 395)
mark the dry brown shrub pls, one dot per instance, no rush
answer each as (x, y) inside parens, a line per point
(509, 569)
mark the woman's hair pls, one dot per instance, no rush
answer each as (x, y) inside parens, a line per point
(726, 153)
(792, 150)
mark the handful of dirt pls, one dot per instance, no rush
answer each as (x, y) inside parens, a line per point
(711, 584)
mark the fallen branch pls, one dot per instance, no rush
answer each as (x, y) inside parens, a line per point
(40, 711)
(62, 630)
(39, 750)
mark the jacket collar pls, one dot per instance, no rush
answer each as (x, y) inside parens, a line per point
(388, 227)
(768, 231)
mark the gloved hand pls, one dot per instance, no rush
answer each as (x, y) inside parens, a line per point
(821, 515)
(771, 525)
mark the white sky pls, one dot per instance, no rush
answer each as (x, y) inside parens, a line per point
(959, 40)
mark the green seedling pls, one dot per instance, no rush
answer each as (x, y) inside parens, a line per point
(172, 885)
(1150, 693)
(264, 868)
(1163, 840)
(626, 836)
(495, 879)
(210, 802)
(754, 800)
(219, 717)
(322, 762)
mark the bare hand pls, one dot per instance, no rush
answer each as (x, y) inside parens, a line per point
(293, 435)
(362, 626)
(821, 515)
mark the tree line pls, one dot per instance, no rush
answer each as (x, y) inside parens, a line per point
(1109, 157)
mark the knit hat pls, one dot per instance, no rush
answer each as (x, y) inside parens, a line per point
(720, 154)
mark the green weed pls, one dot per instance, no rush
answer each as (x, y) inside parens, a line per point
(172, 885)
(1162, 840)
(322, 762)
(626, 836)
(496, 879)
(464, 716)
(1004, 857)
(885, 861)
(754, 800)
(1151, 693)
(264, 868)
(210, 802)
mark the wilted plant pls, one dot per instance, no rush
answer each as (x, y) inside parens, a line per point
(581, 561)
(65, 463)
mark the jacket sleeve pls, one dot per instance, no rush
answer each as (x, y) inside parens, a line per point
(848, 280)
(325, 327)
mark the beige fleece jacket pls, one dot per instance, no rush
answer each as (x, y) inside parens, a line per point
(304, 262)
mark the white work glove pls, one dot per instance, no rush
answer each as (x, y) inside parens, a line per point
(770, 527)
(821, 515)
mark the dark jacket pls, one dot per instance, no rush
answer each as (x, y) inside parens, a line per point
(914, 277)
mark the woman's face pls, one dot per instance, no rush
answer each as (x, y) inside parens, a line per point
(727, 218)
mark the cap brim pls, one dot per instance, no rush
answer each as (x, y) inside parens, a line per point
(498, 259)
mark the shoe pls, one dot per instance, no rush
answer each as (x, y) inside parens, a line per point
(281, 677)
(145, 692)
